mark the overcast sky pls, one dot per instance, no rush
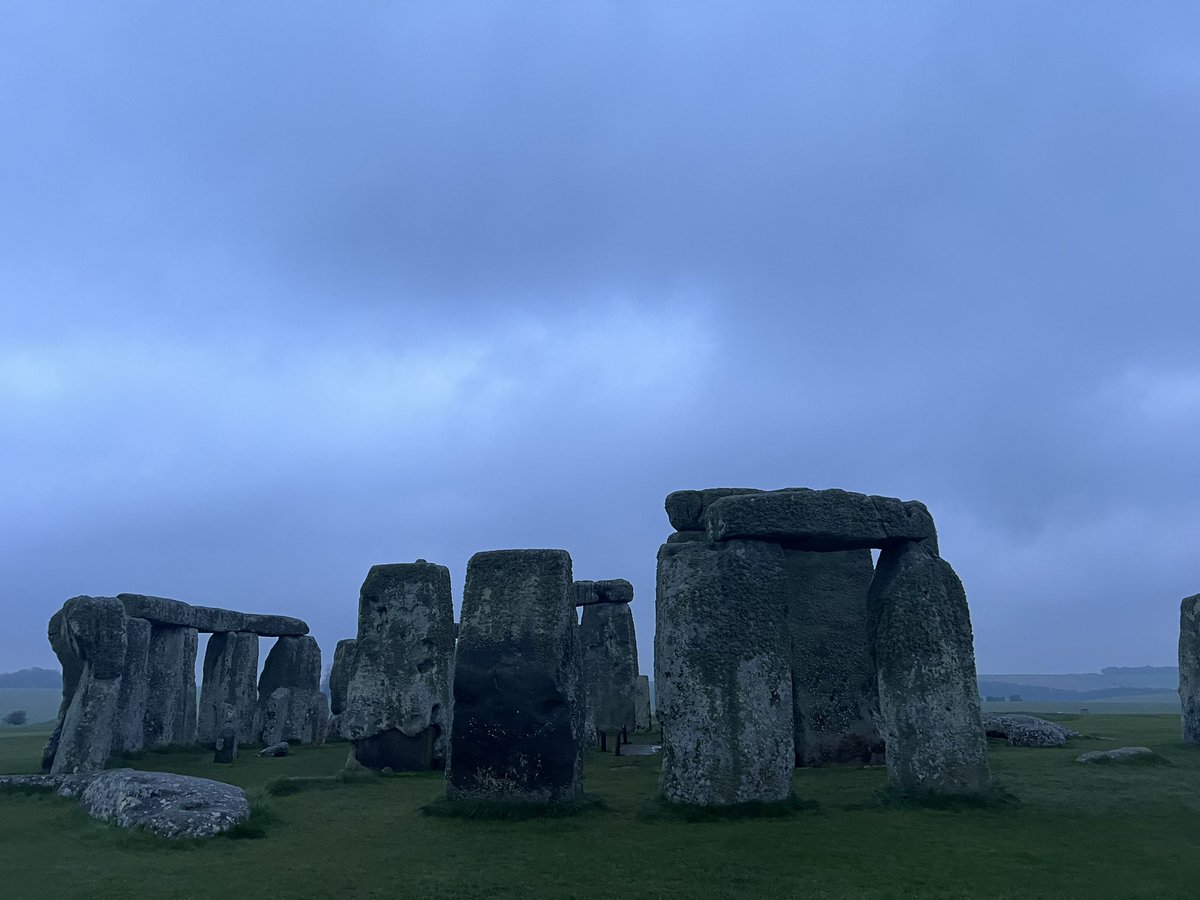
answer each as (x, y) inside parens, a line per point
(291, 290)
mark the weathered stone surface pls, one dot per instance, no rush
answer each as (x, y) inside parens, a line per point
(339, 675)
(722, 673)
(398, 692)
(290, 703)
(686, 509)
(1027, 731)
(615, 590)
(680, 537)
(72, 669)
(129, 729)
(165, 611)
(610, 669)
(87, 733)
(170, 718)
(225, 748)
(642, 709)
(803, 519)
(280, 749)
(1189, 667)
(230, 680)
(94, 629)
(518, 695)
(925, 664)
(833, 676)
(1119, 755)
(169, 805)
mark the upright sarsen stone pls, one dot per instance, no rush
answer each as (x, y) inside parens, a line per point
(833, 676)
(170, 718)
(516, 732)
(72, 671)
(610, 669)
(291, 706)
(1189, 667)
(339, 683)
(722, 673)
(642, 710)
(129, 730)
(229, 689)
(398, 691)
(925, 665)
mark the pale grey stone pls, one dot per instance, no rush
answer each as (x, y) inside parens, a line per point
(129, 729)
(1027, 731)
(610, 669)
(94, 628)
(280, 749)
(925, 664)
(518, 698)
(1189, 667)
(87, 733)
(400, 678)
(230, 680)
(803, 519)
(165, 611)
(170, 718)
(686, 509)
(834, 696)
(72, 669)
(273, 626)
(339, 674)
(159, 610)
(642, 710)
(723, 674)
(615, 590)
(1119, 755)
(169, 805)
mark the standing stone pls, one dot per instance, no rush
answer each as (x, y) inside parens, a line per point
(399, 686)
(72, 670)
(339, 682)
(723, 674)
(610, 669)
(230, 680)
(225, 747)
(642, 710)
(93, 631)
(833, 676)
(925, 665)
(170, 719)
(129, 733)
(1189, 667)
(518, 694)
(291, 705)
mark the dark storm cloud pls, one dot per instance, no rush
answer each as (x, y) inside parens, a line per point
(291, 290)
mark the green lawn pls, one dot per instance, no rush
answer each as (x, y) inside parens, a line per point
(1096, 832)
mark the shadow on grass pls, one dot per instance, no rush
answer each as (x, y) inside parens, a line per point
(255, 828)
(997, 798)
(661, 810)
(297, 784)
(511, 810)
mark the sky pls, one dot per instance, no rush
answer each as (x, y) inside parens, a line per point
(291, 289)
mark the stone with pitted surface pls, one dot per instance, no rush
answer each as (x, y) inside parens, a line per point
(129, 729)
(170, 717)
(804, 519)
(610, 669)
(686, 509)
(590, 593)
(517, 728)
(1189, 667)
(291, 706)
(230, 683)
(210, 619)
(1027, 731)
(642, 711)
(1120, 755)
(723, 673)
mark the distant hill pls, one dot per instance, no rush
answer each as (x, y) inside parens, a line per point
(32, 678)
(1108, 684)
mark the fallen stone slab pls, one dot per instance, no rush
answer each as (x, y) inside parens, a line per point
(804, 519)
(169, 805)
(1120, 755)
(592, 593)
(280, 749)
(1027, 731)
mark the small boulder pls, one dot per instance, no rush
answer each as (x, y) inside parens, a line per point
(1027, 731)
(1122, 755)
(280, 749)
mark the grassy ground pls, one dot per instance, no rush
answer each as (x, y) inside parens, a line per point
(1095, 832)
(1124, 706)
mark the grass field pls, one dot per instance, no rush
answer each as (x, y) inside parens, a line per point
(1074, 831)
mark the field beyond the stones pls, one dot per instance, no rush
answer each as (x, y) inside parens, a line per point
(1073, 831)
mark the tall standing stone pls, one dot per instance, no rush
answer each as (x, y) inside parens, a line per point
(93, 631)
(516, 732)
(642, 711)
(339, 683)
(229, 687)
(722, 673)
(291, 706)
(398, 692)
(1189, 667)
(170, 718)
(72, 671)
(925, 665)
(833, 676)
(610, 669)
(129, 731)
